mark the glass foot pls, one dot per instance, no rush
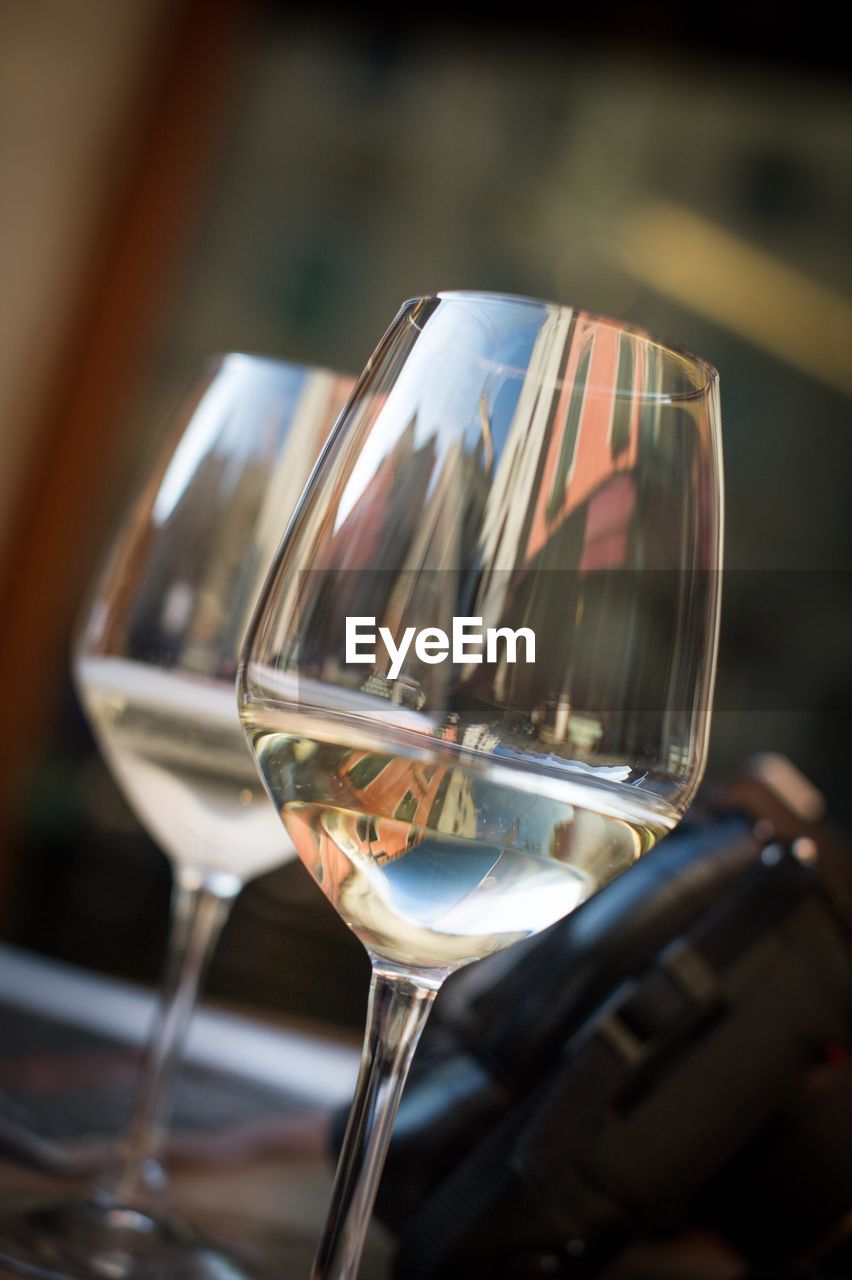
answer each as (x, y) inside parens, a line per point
(89, 1240)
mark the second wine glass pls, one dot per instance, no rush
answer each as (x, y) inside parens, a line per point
(154, 664)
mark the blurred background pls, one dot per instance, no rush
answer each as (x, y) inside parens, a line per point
(184, 177)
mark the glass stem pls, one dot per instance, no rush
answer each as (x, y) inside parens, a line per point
(199, 910)
(398, 1009)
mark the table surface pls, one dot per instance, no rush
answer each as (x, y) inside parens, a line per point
(248, 1161)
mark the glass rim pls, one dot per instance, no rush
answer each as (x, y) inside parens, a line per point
(683, 353)
(218, 358)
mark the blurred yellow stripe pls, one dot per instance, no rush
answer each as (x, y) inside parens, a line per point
(742, 288)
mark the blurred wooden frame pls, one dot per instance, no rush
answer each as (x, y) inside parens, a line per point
(138, 246)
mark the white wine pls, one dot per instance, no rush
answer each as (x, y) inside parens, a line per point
(434, 864)
(176, 747)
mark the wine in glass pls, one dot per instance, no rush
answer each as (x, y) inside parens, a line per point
(154, 664)
(478, 680)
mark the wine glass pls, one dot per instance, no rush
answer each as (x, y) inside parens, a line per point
(479, 676)
(154, 664)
